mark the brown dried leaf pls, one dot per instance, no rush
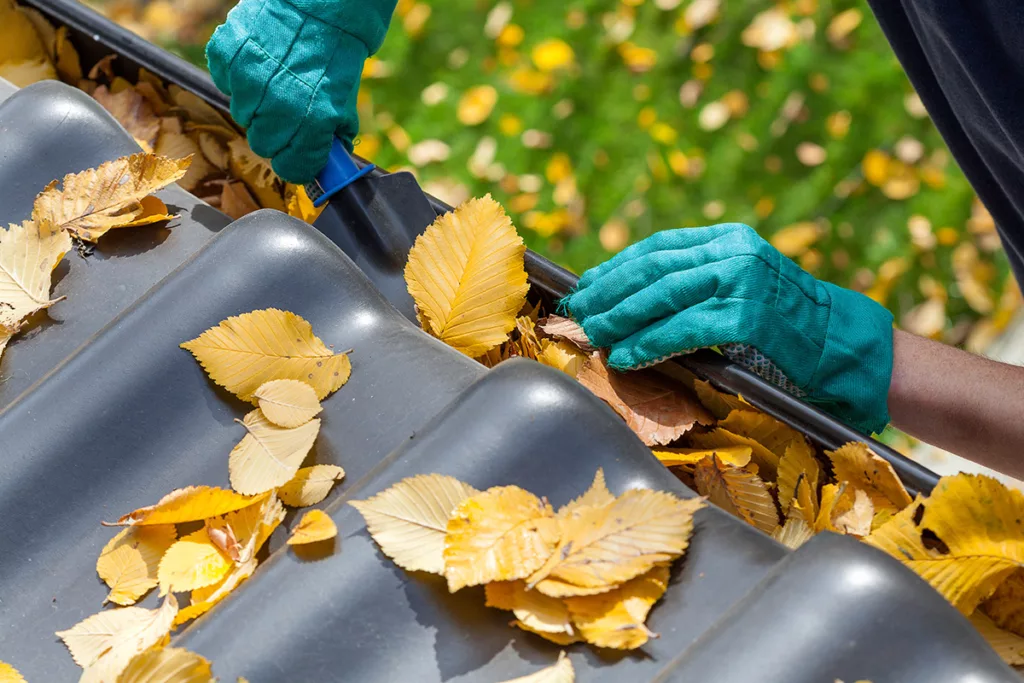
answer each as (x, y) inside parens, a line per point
(566, 328)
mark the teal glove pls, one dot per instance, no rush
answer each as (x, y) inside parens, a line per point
(292, 69)
(724, 286)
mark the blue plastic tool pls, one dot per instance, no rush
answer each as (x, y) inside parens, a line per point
(340, 172)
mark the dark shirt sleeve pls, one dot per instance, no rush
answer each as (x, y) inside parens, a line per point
(966, 60)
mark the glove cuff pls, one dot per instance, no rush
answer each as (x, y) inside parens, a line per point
(853, 376)
(366, 20)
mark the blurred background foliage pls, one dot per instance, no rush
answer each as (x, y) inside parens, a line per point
(599, 122)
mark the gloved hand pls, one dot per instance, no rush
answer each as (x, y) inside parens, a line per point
(724, 286)
(292, 69)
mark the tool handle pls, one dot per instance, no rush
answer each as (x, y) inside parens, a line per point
(341, 170)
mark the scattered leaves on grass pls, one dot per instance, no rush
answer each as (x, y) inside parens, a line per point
(656, 409)
(245, 351)
(409, 520)
(115, 194)
(315, 526)
(466, 275)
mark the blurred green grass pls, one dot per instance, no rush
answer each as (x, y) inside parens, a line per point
(613, 119)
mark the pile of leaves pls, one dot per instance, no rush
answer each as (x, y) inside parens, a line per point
(590, 572)
(467, 277)
(164, 119)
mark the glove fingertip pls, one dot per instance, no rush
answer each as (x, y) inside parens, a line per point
(621, 359)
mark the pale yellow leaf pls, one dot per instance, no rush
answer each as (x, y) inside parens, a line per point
(194, 561)
(241, 534)
(28, 255)
(288, 402)
(794, 532)
(204, 599)
(1009, 646)
(720, 404)
(738, 492)
(409, 520)
(857, 520)
(105, 643)
(268, 456)
(190, 504)
(657, 409)
(767, 462)
(129, 562)
(797, 460)
(554, 637)
(108, 196)
(8, 674)
(310, 485)
(315, 526)
(597, 495)
(172, 143)
(257, 174)
(616, 619)
(559, 672)
(167, 665)
(466, 275)
(561, 355)
(248, 350)
(501, 534)
(871, 473)
(132, 110)
(534, 610)
(737, 456)
(602, 547)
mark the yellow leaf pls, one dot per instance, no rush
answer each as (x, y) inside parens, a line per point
(108, 196)
(466, 275)
(535, 611)
(737, 456)
(834, 502)
(616, 619)
(856, 464)
(28, 255)
(964, 577)
(8, 674)
(805, 502)
(719, 438)
(720, 404)
(129, 562)
(657, 409)
(25, 73)
(69, 66)
(310, 485)
(501, 534)
(798, 460)
(268, 456)
(315, 526)
(561, 355)
(204, 599)
(256, 173)
(1009, 646)
(19, 40)
(105, 643)
(794, 532)
(527, 344)
(409, 520)
(192, 562)
(738, 492)
(597, 495)
(602, 547)
(857, 520)
(245, 351)
(876, 167)
(287, 402)
(241, 534)
(190, 504)
(476, 105)
(560, 672)
(300, 205)
(167, 665)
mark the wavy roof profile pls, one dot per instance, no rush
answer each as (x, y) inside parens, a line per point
(101, 413)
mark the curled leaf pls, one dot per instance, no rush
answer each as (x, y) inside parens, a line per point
(739, 492)
(190, 504)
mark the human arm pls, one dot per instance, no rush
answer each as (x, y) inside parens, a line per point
(292, 69)
(966, 404)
